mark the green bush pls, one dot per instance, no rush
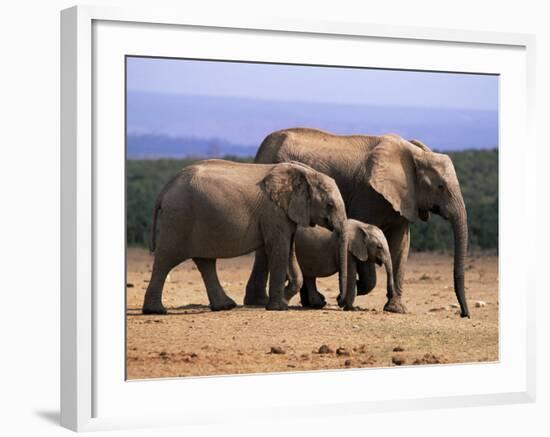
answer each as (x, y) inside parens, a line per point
(477, 171)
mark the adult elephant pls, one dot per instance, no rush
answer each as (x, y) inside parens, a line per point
(385, 181)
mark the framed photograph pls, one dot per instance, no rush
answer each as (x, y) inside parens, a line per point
(295, 218)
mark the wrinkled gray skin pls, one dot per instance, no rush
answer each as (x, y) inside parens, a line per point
(318, 253)
(222, 209)
(385, 181)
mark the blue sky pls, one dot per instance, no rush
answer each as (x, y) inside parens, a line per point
(465, 105)
(313, 84)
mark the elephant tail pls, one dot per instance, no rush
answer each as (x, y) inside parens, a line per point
(156, 210)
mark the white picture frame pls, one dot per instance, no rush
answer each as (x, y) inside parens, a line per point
(91, 392)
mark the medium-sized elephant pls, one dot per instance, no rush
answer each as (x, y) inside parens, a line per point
(318, 253)
(223, 209)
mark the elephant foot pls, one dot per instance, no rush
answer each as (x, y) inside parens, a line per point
(350, 308)
(276, 305)
(395, 306)
(318, 304)
(315, 301)
(153, 309)
(257, 300)
(225, 304)
(363, 289)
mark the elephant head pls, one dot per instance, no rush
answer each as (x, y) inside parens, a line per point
(368, 243)
(417, 181)
(309, 198)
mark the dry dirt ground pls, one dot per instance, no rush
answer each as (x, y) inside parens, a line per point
(192, 340)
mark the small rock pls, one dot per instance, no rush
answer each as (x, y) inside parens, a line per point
(433, 310)
(129, 285)
(398, 349)
(291, 365)
(429, 359)
(304, 356)
(277, 350)
(342, 351)
(424, 277)
(398, 361)
(369, 361)
(355, 326)
(347, 363)
(480, 304)
(325, 349)
(454, 305)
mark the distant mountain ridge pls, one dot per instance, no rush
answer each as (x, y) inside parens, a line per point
(165, 125)
(154, 146)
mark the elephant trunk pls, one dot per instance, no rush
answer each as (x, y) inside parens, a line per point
(343, 264)
(389, 274)
(459, 223)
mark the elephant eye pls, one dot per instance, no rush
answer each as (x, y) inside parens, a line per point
(440, 187)
(379, 246)
(330, 205)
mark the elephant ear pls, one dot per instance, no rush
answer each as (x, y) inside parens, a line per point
(420, 145)
(391, 172)
(358, 243)
(288, 187)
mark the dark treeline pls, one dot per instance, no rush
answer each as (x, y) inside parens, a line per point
(477, 171)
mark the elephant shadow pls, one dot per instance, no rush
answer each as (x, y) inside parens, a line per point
(195, 308)
(184, 310)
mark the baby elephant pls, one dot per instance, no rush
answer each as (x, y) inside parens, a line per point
(319, 255)
(223, 209)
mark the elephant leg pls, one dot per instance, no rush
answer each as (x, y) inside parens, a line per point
(304, 294)
(218, 299)
(398, 242)
(152, 303)
(255, 288)
(367, 278)
(310, 296)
